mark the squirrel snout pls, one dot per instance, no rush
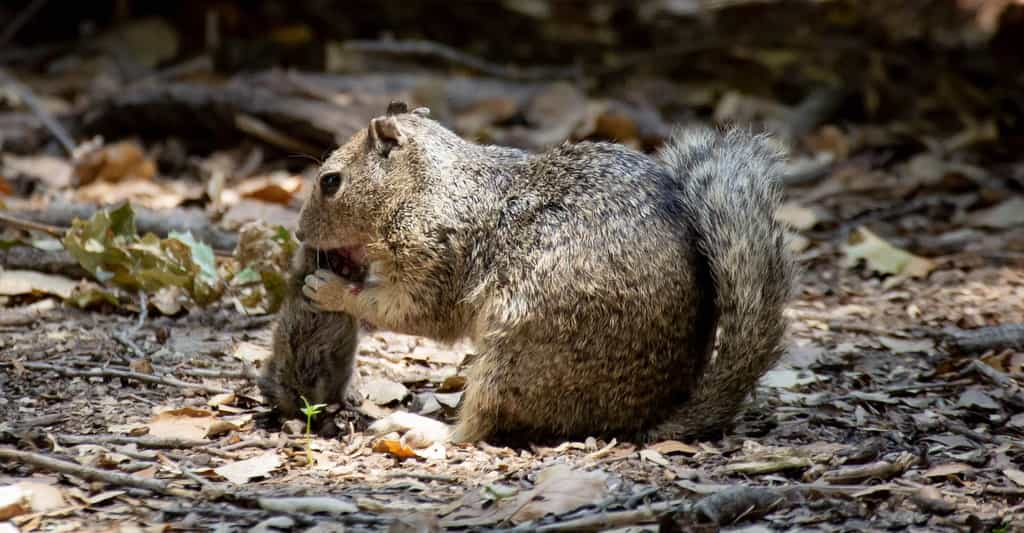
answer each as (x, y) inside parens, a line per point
(299, 235)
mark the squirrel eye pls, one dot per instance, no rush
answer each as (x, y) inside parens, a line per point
(329, 183)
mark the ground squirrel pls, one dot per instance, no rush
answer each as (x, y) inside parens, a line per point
(591, 278)
(313, 353)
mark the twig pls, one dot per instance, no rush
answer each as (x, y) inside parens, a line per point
(143, 311)
(28, 225)
(991, 374)
(20, 20)
(44, 420)
(422, 475)
(37, 108)
(264, 132)
(146, 441)
(457, 57)
(116, 373)
(602, 521)
(93, 474)
(989, 338)
(123, 339)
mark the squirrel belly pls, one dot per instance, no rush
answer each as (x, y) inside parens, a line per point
(591, 278)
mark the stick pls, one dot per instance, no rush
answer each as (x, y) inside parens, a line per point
(93, 474)
(20, 20)
(158, 443)
(602, 521)
(28, 225)
(115, 373)
(44, 116)
(261, 130)
(457, 57)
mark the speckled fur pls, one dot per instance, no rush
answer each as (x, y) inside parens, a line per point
(313, 352)
(591, 278)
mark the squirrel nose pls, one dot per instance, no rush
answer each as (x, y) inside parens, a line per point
(299, 235)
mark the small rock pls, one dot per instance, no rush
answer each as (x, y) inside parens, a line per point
(294, 427)
(272, 525)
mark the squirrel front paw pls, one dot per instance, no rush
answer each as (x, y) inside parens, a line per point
(328, 291)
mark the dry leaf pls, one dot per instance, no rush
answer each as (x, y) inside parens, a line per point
(1015, 475)
(241, 472)
(250, 353)
(14, 501)
(1008, 214)
(948, 469)
(19, 282)
(383, 391)
(561, 489)
(654, 457)
(275, 189)
(185, 423)
(673, 446)
(883, 257)
(907, 346)
(114, 163)
(797, 216)
(394, 447)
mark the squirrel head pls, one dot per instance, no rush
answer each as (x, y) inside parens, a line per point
(382, 173)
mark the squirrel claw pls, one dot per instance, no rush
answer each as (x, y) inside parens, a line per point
(327, 291)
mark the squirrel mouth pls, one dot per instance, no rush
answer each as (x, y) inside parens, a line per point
(348, 262)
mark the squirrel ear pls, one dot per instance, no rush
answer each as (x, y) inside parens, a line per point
(386, 134)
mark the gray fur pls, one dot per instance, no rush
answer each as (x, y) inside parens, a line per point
(591, 278)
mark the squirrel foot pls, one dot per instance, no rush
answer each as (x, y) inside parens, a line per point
(328, 291)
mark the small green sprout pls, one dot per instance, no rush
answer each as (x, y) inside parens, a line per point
(310, 411)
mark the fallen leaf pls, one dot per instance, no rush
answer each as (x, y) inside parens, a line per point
(275, 189)
(383, 391)
(250, 353)
(20, 282)
(907, 346)
(42, 497)
(14, 501)
(394, 447)
(561, 489)
(1005, 215)
(185, 423)
(673, 446)
(654, 457)
(1015, 475)
(781, 378)
(53, 171)
(976, 398)
(948, 469)
(797, 216)
(883, 257)
(114, 163)
(240, 472)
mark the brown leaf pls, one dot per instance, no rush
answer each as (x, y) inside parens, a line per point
(561, 489)
(185, 423)
(948, 469)
(114, 163)
(673, 446)
(394, 447)
(21, 282)
(274, 189)
(241, 472)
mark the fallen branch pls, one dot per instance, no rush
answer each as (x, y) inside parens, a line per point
(157, 443)
(93, 474)
(735, 503)
(601, 521)
(40, 112)
(458, 58)
(160, 222)
(28, 225)
(1006, 336)
(127, 374)
(991, 374)
(58, 262)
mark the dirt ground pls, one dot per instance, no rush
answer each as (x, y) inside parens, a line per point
(869, 425)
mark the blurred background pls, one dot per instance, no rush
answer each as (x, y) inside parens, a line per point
(903, 114)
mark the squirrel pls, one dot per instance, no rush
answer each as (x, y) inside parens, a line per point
(607, 292)
(313, 354)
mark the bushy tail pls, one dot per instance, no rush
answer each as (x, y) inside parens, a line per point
(731, 191)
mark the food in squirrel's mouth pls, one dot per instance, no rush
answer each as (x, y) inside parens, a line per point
(348, 262)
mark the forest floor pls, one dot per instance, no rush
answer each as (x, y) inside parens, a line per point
(898, 406)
